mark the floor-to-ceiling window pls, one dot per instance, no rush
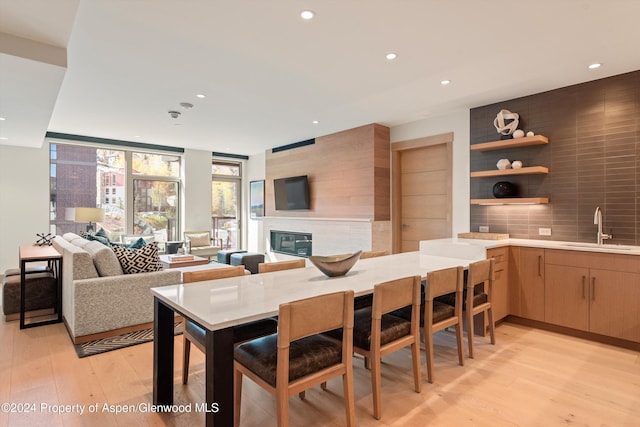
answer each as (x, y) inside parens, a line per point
(136, 192)
(226, 186)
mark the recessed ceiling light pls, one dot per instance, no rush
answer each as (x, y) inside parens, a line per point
(391, 56)
(307, 14)
(2, 118)
(3, 138)
(201, 95)
(445, 82)
(136, 136)
(594, 66)
(315, 122)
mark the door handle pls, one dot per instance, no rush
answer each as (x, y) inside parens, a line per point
(593, 289)
(583, 287)
(540, 265)
(405, 226)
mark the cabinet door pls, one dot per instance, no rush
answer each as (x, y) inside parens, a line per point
(531, 277)
(615, 304)
(500, 291)
(566, 296)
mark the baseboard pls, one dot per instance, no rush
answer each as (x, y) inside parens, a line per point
(29, 314)
(112, 333)
(618, 342)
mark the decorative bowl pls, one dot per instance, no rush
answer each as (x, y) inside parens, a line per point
(504, 189)
(337, 265)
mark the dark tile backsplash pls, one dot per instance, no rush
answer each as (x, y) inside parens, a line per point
(593, 158)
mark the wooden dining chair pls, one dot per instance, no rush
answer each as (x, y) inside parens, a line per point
(377, 333)
(195, 334)
(373, 254)
(267, 267)
(299, 356)
(478, 298)
(438, 315)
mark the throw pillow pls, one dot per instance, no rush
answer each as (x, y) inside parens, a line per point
(135, 245)
(141, 260)
(201, 239)
(99, 236)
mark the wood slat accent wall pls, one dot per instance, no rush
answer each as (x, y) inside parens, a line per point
(593, 159)
(349, 174)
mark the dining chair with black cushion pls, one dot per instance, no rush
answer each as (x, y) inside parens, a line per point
(439, 315)
(193, 333)
(299, 356)
(268, 267)
(376, 333)
(478, 298)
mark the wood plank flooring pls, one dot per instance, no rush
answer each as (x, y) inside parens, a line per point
(530, 378)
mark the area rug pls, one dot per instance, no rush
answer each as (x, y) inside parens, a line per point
(120, 341)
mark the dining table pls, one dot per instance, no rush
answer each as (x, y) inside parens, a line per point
(219, 305)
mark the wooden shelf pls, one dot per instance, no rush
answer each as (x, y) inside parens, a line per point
(525, 141)
(513, 201)
(530, 170)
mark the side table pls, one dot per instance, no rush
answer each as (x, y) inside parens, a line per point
(53, 258)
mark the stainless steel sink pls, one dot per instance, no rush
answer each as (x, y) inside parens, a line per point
(596, 246)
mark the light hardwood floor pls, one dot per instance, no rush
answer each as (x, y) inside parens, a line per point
(530, 378)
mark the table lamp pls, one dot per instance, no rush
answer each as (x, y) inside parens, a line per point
(90, 215)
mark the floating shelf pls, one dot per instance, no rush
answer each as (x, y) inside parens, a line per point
(525, 141)
(530, 170)
(513, 201)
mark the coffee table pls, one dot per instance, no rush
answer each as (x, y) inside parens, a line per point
(167, 262)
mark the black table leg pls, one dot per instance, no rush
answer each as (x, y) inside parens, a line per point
(219, 377)
(23, 273)
(162, 353)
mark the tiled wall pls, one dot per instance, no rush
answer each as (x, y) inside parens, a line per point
(593, 158)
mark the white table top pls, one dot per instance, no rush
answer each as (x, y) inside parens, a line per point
(217, 304)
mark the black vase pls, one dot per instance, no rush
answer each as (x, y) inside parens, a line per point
(504, 189)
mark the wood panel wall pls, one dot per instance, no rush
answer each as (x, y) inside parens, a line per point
(593, 157)
(349, 175)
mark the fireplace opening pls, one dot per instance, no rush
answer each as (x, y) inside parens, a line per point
(291, 243)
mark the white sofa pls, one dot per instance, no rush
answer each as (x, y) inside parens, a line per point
(98, 299)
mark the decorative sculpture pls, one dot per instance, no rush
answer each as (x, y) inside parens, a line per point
(503, 164)
(502, 126)
(44, 239)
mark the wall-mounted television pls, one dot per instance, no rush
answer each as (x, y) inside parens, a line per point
(291, 193)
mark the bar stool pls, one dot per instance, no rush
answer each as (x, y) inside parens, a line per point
(478, 298)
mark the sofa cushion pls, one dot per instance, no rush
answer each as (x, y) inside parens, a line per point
(141, 260)
(104, 259)
(70, 236)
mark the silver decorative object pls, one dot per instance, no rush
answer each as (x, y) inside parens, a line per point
(334, 266)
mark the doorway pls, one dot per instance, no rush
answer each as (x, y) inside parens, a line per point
(422, 190)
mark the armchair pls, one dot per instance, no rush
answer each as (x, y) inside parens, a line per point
(199, 243)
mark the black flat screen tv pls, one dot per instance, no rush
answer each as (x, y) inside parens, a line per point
(291, 193)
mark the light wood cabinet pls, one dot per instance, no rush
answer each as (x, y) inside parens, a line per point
(598, 293)
(528, 283)
(615, 304)
(500, 295)
(566, 297)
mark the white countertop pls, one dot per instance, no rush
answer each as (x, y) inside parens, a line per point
(221, 303)
(469, 248)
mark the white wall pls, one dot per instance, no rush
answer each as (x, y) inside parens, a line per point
(24, 199)
(255, 237)
(458, 123)
(196, 206)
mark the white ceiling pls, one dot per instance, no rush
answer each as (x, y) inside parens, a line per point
(268, 74)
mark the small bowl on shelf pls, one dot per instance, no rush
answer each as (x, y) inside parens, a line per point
(337, 265)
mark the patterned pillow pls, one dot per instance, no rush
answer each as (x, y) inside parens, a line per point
(141, 260)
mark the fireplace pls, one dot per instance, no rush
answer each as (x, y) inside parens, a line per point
(291, 243)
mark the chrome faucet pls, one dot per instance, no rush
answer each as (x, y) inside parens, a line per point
(597, 219)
